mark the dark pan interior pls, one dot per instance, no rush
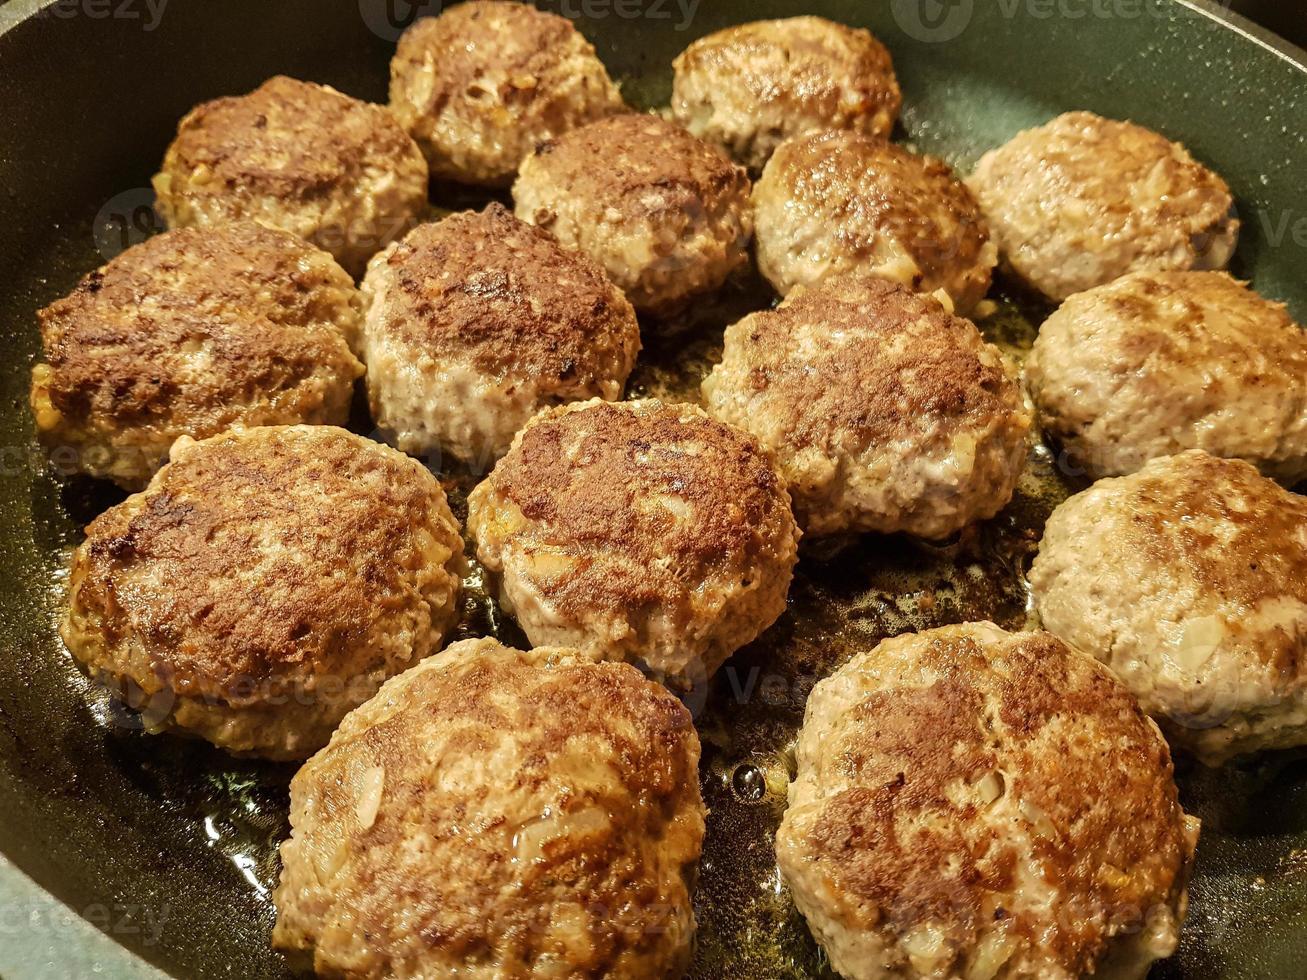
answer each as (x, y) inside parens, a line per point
(181, 839)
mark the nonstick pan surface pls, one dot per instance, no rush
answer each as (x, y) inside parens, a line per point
(169, 847)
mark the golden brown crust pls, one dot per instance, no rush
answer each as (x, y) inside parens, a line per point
(605, 500)
(268, 555)
(936, 376)
(490, 290)
(570, 837)
(640, 154)
(895, 825)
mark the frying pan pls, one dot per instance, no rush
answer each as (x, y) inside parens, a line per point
(125, 852)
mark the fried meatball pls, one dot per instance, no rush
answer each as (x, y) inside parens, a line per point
(1083, 200)
(190, 333)
(478, 321)
(479, 86)
(747, 88)
(338, 172)
(1159, 362)
(641, 530)
(497, 814)
(664, 213)
(1033, 832)
(1189, 579)
(265, 583)
(847, 202)
(884, 411)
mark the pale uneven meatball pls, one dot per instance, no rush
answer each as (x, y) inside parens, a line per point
(1159, 362)
(190, 333)
(642, 531)
(1084, 200)
(976, 803)
(480, 320)
(1189, 579)
(847, 202)
(338, 172)
(747, 88)
(479, 86)
(664, 213)
(265, 583)
(495, 814)
(884, 411)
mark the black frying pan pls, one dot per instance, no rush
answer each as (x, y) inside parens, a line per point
(169, 847)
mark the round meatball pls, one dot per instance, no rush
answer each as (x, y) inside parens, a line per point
(492, 814)
(884, 411)
(480, 320)
(479, 86)
(1189, 579)
(1034, 832)
(338, 172)
(847, 202)
(1083, 200)
(639, 530)
(747, 88)
(664, 213)
(188, 334)
(265, 583)
(1159, 362)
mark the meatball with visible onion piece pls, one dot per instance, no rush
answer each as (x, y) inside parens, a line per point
(480, 85)
(493, 813)
(265, 583)
(1189, 579)
(976, 803)
(664, 213)
(747, 88)
(829, 203)
(1084, 200)
(1159, 362)
(884, 411)
(302, 157)
(190, 333)
(480, 320)
(643, 531)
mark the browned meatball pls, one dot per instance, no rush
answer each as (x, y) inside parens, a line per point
(497, 814)
(479, 86)
(338, 172)
(641, 530)
(266, 582)
(477, 322)
(847, 202)
(187, 334)
(1083, 200)
(748, 87)
(664, 213)
(976, 803)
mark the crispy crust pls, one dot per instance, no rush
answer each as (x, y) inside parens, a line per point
(480, 85)
(644, 510)
(1155, 363)
(336, 171)
(1083, 200)
(666, 215)
(267, 560)
(861, 374)
(1042, 780)
(491, 811)
(747, 88)
(859, 203)
(190, 333)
